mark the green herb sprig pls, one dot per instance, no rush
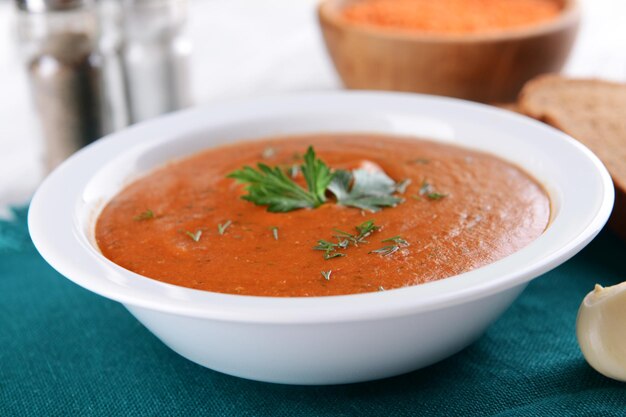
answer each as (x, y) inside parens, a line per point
(273, 188)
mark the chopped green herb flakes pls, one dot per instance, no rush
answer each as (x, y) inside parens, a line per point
(221, 228)
(345, 239)
(398, 243)
(194, 236)
(146, 215)
(427, 190)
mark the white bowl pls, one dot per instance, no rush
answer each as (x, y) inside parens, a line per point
(320, 340)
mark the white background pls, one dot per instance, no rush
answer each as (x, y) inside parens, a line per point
(253, 47)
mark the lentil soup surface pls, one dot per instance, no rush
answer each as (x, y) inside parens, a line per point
(490, 210)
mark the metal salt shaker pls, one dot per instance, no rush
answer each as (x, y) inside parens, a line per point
(155, 57)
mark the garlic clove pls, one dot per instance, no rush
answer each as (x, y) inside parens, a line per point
(601, 330)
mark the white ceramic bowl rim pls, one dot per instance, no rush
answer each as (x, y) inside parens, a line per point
(62, 211)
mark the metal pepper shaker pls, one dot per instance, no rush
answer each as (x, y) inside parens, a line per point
(58, 39)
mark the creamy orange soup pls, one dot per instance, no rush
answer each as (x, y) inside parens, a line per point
(186, 223)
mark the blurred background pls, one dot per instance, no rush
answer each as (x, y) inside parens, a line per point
(85, 69)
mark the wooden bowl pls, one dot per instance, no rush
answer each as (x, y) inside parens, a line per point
(490, 68)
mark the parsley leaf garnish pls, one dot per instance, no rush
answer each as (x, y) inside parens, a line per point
(317, 175)
(275, 186)
(366, 190)
(272, 187)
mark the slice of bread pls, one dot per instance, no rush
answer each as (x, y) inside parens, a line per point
(593, 112)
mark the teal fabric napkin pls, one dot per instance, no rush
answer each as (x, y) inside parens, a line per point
(66, 352)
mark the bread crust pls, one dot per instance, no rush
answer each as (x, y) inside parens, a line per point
(592, 111)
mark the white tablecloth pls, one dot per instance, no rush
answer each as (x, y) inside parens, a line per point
(253, 47)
